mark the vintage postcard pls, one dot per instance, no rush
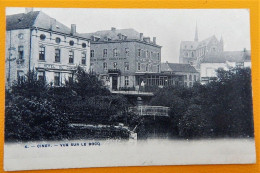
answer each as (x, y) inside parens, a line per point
(127, 87)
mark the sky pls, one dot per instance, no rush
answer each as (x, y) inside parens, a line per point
(169, 26)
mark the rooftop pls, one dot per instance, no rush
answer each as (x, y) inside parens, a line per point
(231, 56)
(193, 45)
(176, 67)
(119, 35)
(36, 19)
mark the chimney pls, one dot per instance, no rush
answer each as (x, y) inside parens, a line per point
(52, 23)
(113, 29)
(141, 36)
(120, 36)
(28, 10)
(244, 49)
(73, 29)
(154, 40)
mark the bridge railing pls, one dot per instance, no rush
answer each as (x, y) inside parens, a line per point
(150, 110)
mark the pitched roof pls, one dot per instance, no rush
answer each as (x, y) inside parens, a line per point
(113, 34)
(193, 45)
(231, 56)
(21, 20)
(176, 67)
(36, 19)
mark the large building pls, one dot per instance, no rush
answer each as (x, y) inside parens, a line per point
(224, 60)
(35, 41)
(124, 58)
(191, 75)
(194, 52)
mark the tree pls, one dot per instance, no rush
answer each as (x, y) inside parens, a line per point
(30, 86)
(28, 119)
(87, 85)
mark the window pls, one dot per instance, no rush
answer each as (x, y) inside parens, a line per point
(92, 53)
(84, 45)
(115, 52)
(71, 57)
(56, 79)
(190, 84)
(127, 51)
(192, 54)
(104, 52)
(57, 40)
(185, 77)
(139, 52)
(83, 58)
(115, 65)
(70, 77)
(146, 54)
(42, 53)
(186, 54)
(57, 55)
(41, 75)
(158, 68)
(71, 42)
(194, 77)
(20, 77)
(240, 64)
(139, 66)
(20, 52)
(158, 56)
(42, 37)
(146, 67)
(20, 36)
(105, 66)
(185, 84)
(190, 77)
(126, 80)
(126, 66)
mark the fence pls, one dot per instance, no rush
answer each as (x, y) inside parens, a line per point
(150, 110)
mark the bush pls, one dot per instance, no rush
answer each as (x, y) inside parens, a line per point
(33, 119)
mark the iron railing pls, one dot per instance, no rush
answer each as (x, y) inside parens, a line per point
(150, 110)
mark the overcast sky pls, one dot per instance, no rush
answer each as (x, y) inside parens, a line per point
(170, 26)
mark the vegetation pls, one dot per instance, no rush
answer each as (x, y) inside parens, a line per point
(35, 111)
(222, 108)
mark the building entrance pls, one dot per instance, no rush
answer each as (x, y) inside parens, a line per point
(114, 83)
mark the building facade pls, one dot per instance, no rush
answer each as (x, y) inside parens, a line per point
(125, 59)
(189, 73)
(225, 60)
(35, 41)
(194, 52)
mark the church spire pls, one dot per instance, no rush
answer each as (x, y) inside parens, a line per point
(221, 39)
(196, 34)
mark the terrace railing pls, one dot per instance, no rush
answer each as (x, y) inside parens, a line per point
(150, 110)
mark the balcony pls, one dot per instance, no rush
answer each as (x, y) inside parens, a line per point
(114, 71)
(150, 110)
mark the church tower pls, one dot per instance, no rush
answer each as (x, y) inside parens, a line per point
(196, 38)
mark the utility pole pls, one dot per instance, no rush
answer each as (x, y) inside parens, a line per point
(9, 60)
